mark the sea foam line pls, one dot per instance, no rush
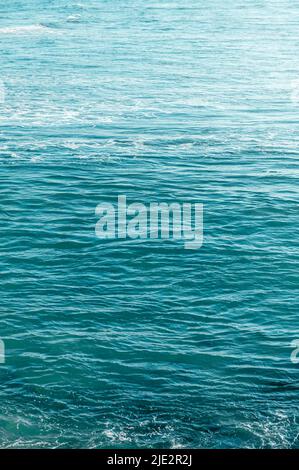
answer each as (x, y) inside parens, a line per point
(38, 28)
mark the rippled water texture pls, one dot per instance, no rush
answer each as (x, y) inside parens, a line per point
(129, 343)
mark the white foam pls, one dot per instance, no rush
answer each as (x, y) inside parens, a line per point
(30, 29)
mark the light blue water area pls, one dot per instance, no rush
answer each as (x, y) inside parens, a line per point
(128, 343)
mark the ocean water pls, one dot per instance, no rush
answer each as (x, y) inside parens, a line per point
(142, 343)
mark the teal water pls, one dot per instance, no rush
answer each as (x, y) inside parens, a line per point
(129, 343)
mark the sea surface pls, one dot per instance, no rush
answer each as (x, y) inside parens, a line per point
(142, 343)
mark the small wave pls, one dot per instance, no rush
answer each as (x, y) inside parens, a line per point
(30, 29)
(74, 19)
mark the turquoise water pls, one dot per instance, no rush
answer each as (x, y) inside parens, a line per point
(128, 343)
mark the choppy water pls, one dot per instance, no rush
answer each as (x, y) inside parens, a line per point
(138, 344)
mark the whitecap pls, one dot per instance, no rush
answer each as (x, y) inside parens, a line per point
(73, 19)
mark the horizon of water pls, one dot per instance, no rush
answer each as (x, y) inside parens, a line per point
(127, 343)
